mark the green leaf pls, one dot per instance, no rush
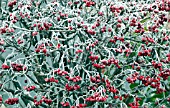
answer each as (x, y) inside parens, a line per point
(144, 20)
(17, 85)
(145, 28)
(132, 86)
(90, 104)
(2, 58)
(133, 54)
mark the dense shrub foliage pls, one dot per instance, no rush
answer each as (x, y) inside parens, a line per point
(85, 53)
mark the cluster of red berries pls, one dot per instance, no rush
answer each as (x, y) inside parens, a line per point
(89, 3)
(165, 38)
(13, 18)
(60, 72)
(65, 104)
(79, 51)
(93, 57)
(34, 33)
(95, 79)
(135, 104)
(107, 83)
(118, 97)
(165, 60)
(145, 52)
(5, 66)
(103, 29)
(52, 79)
(110, 88)
(113, 90)
(139, 29)
(116, 38)
(147, 40)
(145, 80)
(92, 87)
(110, 61)
(30, 88)
(91, 32)
(47, 101)
(6, 29)
(2, 30)
(63, 15)
(74, 79)
(133, 22)
(157, 65)
(42, 48)
(12, 3)
(43, 99)
(119, 23)
(158, 23)
(19, 41)
(153, 82)
(118, 50)
(96, 24)
(127, 51)
(133, 78)
(154, 28)
(96, 98)
(18, 67)
(101, 66)
(160, 90)
(71, 88)
(92, 45)
(164, 6)
(37, 103)
(12, 101)
(44, 26)
(79, 106)
(165, 74)
(116, 9)
(24, 15)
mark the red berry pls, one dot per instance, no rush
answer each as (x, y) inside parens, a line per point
(4, 66)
